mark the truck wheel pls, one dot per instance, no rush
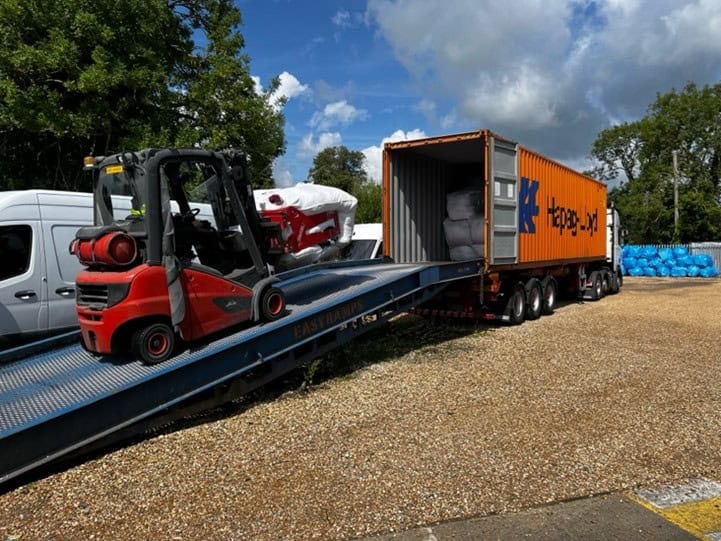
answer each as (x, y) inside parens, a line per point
(596, 285)
(272, 304)
(550, 295)
(615, 286)
(534, 296)
(516, 305)
(153, 344)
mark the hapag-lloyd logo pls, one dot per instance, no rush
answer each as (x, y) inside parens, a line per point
(559, 217)
(527, 205)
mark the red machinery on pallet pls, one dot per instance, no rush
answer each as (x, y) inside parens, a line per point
(316, 221)
(144, 282)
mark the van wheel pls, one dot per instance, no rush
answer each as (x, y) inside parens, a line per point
(550, 295)
(516, 305)
(272, 304)
(534, 296)
(153, 344)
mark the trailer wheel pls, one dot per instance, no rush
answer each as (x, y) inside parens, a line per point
(596, 286)
(272, 304)
(605, 282)
(534, 296)
(550, 295)
(516, 305)
(153, 344)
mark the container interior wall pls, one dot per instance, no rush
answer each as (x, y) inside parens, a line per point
(421, 178)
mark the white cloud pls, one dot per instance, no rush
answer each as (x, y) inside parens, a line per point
(551, 74)
(281, 173)
(339, 113)
(374, 154)
(289, 87)
(257, 87)
(308, 148)
(342, 18)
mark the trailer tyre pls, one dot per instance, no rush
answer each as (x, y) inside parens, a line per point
(605, 282)
(596, 285)
(550, 295)
(534, 299)
(153, 344)
(516, 305)
(272, 304)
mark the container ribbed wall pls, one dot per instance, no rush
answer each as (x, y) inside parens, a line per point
(571, 212)
(417, 208)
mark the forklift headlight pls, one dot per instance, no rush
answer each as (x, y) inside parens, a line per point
(117, 292)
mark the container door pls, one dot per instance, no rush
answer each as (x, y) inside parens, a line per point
(503, 187)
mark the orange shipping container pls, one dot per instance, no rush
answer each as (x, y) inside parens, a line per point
(568, 217)
(535, 212)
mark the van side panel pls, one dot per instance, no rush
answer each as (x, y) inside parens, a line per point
(562, 213)
(62, 215)
(23, 296)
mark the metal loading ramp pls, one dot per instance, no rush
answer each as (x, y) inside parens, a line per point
(60, 400)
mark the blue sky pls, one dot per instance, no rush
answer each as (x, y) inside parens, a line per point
(549, 74)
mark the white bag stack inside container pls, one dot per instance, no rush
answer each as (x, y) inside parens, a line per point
(464, 226)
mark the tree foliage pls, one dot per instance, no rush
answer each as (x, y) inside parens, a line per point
(339, 167)
(343, 168)
(79, 77)
(640, 156)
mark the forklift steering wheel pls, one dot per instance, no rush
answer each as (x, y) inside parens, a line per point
(190, 216)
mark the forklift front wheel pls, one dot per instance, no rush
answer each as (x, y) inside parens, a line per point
(154, 344)
(272, 304)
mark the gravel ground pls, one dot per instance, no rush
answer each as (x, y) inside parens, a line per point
(598, 397)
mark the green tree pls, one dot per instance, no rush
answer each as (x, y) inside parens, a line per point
(219, 104)
(370, 205)
(79, 77)
(343, 168)
(639, 156)
(339, 167)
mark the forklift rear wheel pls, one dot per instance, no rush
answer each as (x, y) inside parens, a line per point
(154, 344)
(272, 304)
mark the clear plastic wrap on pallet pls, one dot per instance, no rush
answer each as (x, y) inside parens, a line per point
(466, 252)
(308, 256)
(313, 199)
(477, 223)
(464, 204)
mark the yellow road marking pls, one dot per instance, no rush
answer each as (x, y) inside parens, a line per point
(701, 518)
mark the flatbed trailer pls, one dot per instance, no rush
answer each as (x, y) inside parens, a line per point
(64, 399)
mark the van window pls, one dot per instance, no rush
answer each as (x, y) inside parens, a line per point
(68, 264)
(15, 247)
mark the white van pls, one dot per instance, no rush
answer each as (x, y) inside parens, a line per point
(367, 242)
(37, 271)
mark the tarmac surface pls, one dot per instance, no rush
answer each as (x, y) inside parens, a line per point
(684, 511)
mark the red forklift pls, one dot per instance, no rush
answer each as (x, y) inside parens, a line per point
(177, 250)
